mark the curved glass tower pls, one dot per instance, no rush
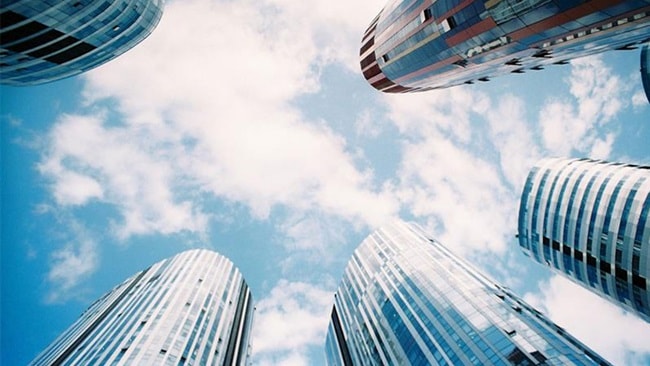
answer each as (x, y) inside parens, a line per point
(193, 308)
(588, 220)
(645, 69)
(407, 300)
(416, 45)
(47, 40)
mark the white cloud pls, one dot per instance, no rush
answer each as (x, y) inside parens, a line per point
(619, 337)
(125, 167)
(204, 109)
(602, 147)
(459, 194)
(445, 110)
(311, 232)
(204, 105)
(445, 177)
(290, 358)
(71, 264)
(289, 322)
(597, 95)
(639, 100)
(336, 27)
(76, 189)
(513, 139)
(366, 125)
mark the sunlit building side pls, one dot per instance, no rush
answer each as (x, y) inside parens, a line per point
(407, 300)
(193, 308)
(47, 40)
(417, 45)
(588, 220)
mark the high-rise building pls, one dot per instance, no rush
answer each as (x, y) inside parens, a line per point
(407, 300)
(193, 308)
(588, 220)
(645, 69)
(416, 45)
(47, 40)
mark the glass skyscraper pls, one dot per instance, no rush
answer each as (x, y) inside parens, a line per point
(416, 45)
(645, 69)
(407, 300)
(47, 40)
(588, 220)
(193, 308)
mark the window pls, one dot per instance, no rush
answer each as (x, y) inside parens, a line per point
(448, 24)
(461, 63)
(426, 15)
(452, 22)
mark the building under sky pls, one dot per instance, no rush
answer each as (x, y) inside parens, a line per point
(407, 300)
(588, 220)
(193, 308)
(645, 69)
(47, 40)
(416, 45)
(109, 171)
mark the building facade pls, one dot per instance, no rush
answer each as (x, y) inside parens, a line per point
(47, 40)
(417, 45)
(193, 308)
(645, 69)
(407, 300)
(588, 220)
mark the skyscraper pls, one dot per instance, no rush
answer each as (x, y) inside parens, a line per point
(645, 69)
(588, 220)
(416, 45)
(193, 308)
(47, 40)
(407, 300)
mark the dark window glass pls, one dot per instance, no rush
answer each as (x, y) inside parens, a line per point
(21, 32)
(427, 14)
(71, 53)
(9, 18)
(54, 47)
(604, 266)
(639, 281)
(34, 42)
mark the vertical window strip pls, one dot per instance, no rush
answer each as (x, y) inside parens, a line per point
(560, 201)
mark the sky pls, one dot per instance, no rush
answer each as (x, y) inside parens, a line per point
(246, 127)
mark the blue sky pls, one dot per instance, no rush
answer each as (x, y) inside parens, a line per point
(247, 128)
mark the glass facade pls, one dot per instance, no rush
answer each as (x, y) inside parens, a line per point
(417, 45)
(588, 220)
(47, 40)
(193, 308)
(645, 69)
(407, 300)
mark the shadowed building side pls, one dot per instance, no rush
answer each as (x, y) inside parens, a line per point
(418, 45)
(406, 300)
(588, 220)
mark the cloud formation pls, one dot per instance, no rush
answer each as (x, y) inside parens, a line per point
(619, 337)
(291, 322)
(447, 176)
(87, 160)
(205, 111)
(597, 95)
(194, 118)
(71, 265)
